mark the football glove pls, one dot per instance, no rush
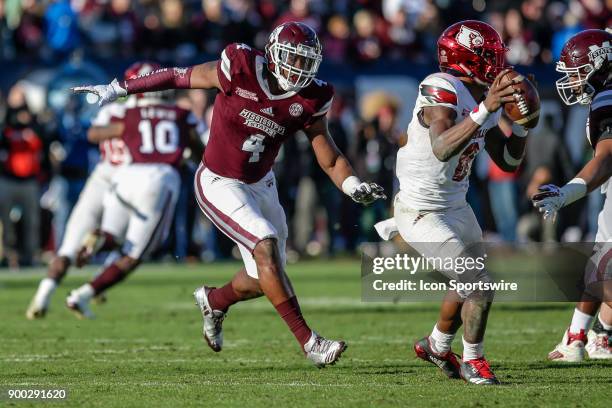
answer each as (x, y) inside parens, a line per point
(549, 200)
(105, 93)
(366, 193)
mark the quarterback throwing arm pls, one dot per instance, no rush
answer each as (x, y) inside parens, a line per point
(448, 139)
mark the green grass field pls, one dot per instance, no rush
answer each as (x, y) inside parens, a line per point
(145, 348)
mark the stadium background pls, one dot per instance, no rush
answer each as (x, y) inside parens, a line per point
(375, 53)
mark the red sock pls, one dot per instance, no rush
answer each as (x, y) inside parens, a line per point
(289, 310)
(109, 277)
(223, 298)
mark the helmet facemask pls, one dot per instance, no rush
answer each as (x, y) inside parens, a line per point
(574, 86)
(294, 66)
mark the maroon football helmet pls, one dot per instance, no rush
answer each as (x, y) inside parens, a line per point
(585, 60)
(294, 55)
(473, 49)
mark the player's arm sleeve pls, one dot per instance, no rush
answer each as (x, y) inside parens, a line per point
(600, 118)
(324, 102)
(436, 91)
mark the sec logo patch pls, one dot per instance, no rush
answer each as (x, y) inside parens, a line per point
(295, 110)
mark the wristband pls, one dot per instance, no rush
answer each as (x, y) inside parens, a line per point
(350, 184)
(480, 114)
(519, 131)
(574, 190)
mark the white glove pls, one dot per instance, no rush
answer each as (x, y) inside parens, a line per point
(548, 201)
(105, 93)
(362, 192)
(551, 198)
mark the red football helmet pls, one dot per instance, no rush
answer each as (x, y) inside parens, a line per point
(294, 55)
(474, 49)
(140, 68)
(585, 60)
(143, 68)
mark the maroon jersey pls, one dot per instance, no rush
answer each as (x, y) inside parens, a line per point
(157, 133)
(599, 123)
(249, 123)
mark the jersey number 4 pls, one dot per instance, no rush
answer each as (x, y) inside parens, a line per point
(163, 137)
(254, 145)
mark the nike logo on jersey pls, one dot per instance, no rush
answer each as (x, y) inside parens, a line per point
(267, 111)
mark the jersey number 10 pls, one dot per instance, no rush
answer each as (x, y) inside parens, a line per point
(163, 137)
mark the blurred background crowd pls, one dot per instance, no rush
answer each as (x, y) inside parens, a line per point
(375, 53)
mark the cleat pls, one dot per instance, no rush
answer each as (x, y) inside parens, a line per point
(39, 305)
(213, 319)
(447, 362)
(571, 348)
(79, 306)
(99, 299)
(323, 352)
(478, 372)
(35, 312)
(597, 346)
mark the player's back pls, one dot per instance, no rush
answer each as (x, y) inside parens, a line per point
(157, 133)
(427, 183)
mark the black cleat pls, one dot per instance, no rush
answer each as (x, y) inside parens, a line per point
(447, 362)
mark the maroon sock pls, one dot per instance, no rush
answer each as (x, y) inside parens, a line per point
(223, 298)
(109, 277)
(289, 310)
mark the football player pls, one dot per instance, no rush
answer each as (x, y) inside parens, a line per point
(138, 211)
(586, 62)
(457, 113)
(263, 98)
(87, 212)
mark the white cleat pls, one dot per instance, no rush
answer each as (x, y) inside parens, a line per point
(40, 302)
(79, 305)
(323, 352)
(597, 346)
(35, 311)
(213, 319)
(571, 348)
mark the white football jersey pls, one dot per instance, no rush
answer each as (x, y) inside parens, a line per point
(427, 183)
(113, 152)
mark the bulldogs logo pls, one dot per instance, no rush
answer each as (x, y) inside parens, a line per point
(468, 38)
(295, 110)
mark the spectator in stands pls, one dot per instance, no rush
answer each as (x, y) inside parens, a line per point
(367, 45)
(547, 161)
(376, 149)
(21, 150)
(62, 28)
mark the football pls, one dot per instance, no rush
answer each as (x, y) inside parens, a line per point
(526, 110)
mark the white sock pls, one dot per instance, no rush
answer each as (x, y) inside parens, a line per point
(580, 321)
(440, 342)
(85, 292)
(606, 326)
(43, 293)
(472, 351)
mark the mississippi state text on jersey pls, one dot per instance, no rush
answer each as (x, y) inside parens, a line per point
(427, 183)
(249, 123)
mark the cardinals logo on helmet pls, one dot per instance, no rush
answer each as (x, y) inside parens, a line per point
(470, 39)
